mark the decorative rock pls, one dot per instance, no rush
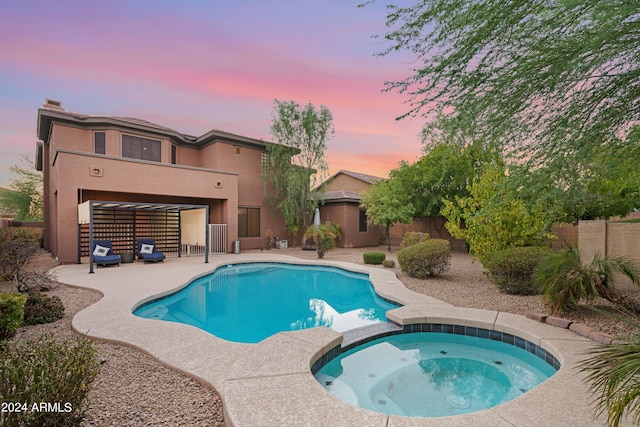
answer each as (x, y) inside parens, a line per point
(580, 329)
(559, 322)
(536, 316)
(601, 337)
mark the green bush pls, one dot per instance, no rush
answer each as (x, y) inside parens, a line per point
(11, 315)
(412, 237)
(426, 259)
(40, 308)
(16, 247)
(375, 258)
(46, 371)
(389, 263)
(512, 269)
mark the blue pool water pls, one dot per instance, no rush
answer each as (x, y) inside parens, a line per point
(432, 374)
(250, 302)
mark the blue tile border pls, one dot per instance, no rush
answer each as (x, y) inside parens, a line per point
(374, 334)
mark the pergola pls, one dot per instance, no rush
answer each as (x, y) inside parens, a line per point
(125, 222)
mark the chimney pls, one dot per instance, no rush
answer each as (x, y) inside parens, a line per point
(53, 104)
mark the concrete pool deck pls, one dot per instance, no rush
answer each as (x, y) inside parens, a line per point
(270, 383)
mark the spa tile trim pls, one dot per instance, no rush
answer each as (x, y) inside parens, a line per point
(367, 334)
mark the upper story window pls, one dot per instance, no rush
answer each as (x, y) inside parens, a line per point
(174, 154)
(99, 142)
(136, 147)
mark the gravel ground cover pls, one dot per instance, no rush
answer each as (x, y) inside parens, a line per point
(134, 389)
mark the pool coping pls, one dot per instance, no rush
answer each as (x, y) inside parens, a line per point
(271, 382)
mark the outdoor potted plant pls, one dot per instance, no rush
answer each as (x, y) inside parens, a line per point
(323, 235)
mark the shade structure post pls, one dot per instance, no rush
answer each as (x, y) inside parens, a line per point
(206, 239)
(90, 237)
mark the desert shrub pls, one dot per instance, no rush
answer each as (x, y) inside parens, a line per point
(512, 269)
(389, 263)
(412, 237)
(375, 258)
(11, 315)
(47, 371)
(426, 259)
(40, 308)
(32, 281)
(269, 239)
(16, 247)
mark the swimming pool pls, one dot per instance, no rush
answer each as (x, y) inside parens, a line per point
(434, 374)
(252, 301)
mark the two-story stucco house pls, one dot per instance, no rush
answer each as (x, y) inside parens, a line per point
(154, 168)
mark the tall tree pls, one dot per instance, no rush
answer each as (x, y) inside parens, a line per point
(25, 198)
(554, 79)
(445, 171)
(386, 205)
(296, 162)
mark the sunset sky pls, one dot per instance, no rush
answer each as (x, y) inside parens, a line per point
(197, 65)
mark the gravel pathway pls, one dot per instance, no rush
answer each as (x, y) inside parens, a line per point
(134, 389)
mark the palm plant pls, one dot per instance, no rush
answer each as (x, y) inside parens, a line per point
(614, 373)
(564, 279)
(323, 235)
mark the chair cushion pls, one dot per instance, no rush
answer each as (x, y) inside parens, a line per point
(146, 249)
(100, 251)
(156, 256)
(108, 259)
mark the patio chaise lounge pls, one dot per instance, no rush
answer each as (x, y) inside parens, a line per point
(103, 253)
(148, 252)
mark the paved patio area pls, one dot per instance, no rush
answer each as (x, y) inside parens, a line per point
(270, 383)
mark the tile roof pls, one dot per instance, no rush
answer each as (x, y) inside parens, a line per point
(132, 120)
(341, 195)
(370, 179)
(46, 115)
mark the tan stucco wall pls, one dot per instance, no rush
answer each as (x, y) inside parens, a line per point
(434, 226)
(346, 182)
(136, 181)
(112, 177)
(188, 156)
(610, 238)
(348, 216)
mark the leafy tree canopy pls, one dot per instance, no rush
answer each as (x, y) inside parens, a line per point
(558, 78)
(386, 205)
(445, 171)
(25, 200)
(296, 163)
(494, 216)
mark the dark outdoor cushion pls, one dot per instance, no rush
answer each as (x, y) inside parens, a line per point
(154, 256)
(110, 258)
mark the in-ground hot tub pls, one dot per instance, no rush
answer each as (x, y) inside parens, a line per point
(451, 370)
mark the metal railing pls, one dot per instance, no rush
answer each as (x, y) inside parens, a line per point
(217, 238)
(217, 242)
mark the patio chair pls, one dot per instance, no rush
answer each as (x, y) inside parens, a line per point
(147, 251)
(103, 253)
